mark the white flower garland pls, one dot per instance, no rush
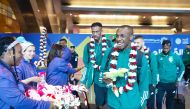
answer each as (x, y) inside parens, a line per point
(43, 41)
(92, 50)
(61, 96)
(130, 76)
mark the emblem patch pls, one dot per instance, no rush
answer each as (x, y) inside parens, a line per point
(171, 59)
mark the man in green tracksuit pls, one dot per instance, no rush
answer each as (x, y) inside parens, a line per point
(186, 61)
(153, 72)
(168, 63)
(131, 99)
(92, 58)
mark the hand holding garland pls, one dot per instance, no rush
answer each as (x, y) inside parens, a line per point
(79, 68)
(129, 76)
(115, 73)
(32, 79)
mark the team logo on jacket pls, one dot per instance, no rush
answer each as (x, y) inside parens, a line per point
(161, 58)
(171, 59)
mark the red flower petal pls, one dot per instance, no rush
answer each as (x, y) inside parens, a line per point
(104, 46)
(130, 84)
(131, 77)
(132, 70)
(124, 88)
(113, 66)
(104, 40)
(114, 49)
(114, 82)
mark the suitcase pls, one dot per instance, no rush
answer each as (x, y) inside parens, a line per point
(179, 101)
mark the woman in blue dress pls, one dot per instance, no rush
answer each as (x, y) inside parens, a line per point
(12, 91)
(58, 69)
(26, 69)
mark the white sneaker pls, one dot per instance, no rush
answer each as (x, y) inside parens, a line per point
(186, 84)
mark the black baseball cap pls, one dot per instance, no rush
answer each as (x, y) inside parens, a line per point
(166, 42)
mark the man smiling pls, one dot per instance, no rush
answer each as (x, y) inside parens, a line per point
(132, 95)
(92, 58)
(168, 63)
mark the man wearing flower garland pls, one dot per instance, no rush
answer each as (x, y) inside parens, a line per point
(124, 92)
(139, 40)
(168, 63)
(92, 58)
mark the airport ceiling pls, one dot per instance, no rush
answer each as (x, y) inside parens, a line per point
(72, 16)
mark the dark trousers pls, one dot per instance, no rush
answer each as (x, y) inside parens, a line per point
(151, 99)
(109, 107)
(170, 89)
(186, 75)
(100, 95)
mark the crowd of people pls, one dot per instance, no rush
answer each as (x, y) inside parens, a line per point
(155, 75)
(146, 80)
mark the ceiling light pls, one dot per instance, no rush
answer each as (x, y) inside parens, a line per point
(160, 25)
(109, 25)
(176, 17)
(136, 30)
(108, 16)
(159, 17)
(128, 7)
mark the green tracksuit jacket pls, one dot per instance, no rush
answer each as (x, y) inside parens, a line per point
(134, 98)
(186, 57)
(92, 75)
(167, 67)
(153, 69)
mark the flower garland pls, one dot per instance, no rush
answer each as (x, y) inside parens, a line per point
(92, 50)
(43, 51)
(130, 75)
(61, 96)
